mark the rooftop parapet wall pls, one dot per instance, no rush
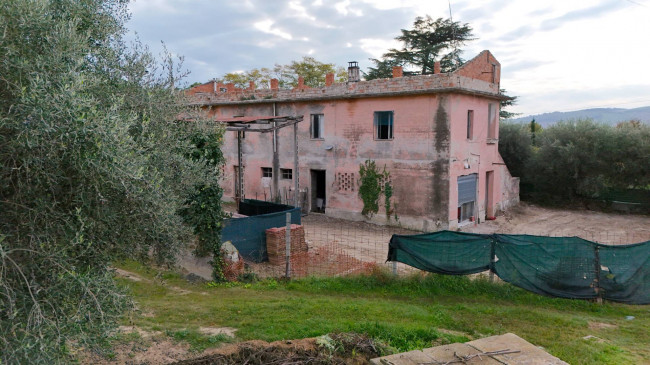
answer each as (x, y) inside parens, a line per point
(474, 77)
(374, 88)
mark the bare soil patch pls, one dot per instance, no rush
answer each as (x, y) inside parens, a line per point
(120, 273)
(601, 227)
(214, 331)
(151, 347)
(601, 325)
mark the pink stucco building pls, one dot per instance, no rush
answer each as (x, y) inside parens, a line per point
(436, 134)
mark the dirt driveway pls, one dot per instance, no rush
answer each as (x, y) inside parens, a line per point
(607, 228)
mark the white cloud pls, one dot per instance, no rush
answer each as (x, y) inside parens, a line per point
(344, 8)
(300, 11)
(376, 47)
(266, 26)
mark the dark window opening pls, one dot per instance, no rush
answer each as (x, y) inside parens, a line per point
(470, 124)
(318, 190)
(287, 174)
(317, 123)
(384, 125)
(492, 113)
(267, 172)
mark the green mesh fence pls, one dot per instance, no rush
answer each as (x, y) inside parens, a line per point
(248, 234)
(565, 267)
(453, 253)
(625, 272)
(556, 266)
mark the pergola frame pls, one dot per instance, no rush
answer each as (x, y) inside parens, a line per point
(265, 124)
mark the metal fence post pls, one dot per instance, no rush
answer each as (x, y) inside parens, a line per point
(287, 238)
(493, 258)
(597, 289)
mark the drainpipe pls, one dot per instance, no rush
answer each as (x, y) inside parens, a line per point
(276, 159)
(478, 178)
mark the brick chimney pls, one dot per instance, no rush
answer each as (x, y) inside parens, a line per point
(329, 79)
(353, 71)
(275, 84)
(251, 85)
(436, 67)
(397, 72)
(301, 82)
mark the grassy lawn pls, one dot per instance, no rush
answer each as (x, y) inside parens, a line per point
(407, 313)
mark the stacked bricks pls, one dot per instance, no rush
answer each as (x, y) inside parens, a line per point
(276, 243)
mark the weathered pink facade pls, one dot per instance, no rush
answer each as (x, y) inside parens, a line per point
(427, 156)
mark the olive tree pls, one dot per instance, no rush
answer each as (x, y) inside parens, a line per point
(94, 168)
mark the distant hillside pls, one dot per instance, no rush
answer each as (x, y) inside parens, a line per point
(604, 115)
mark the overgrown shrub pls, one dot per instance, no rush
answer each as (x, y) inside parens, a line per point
(94, 168)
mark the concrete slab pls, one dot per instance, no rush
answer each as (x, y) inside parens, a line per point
(415, 357)
(529, 354)
(456, 351)
(468, 353)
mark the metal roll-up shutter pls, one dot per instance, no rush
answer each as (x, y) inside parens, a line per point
(466, 189)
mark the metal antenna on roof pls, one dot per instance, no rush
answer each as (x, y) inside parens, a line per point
(453, 37)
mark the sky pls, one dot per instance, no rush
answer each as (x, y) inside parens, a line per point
(555, 55)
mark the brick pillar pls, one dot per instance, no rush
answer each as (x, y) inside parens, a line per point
(230, 87)
(276, 244)
(397, 72)
(275, 84)
(251, 85)
(301, 82)
(436, 67)
(329, 79)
